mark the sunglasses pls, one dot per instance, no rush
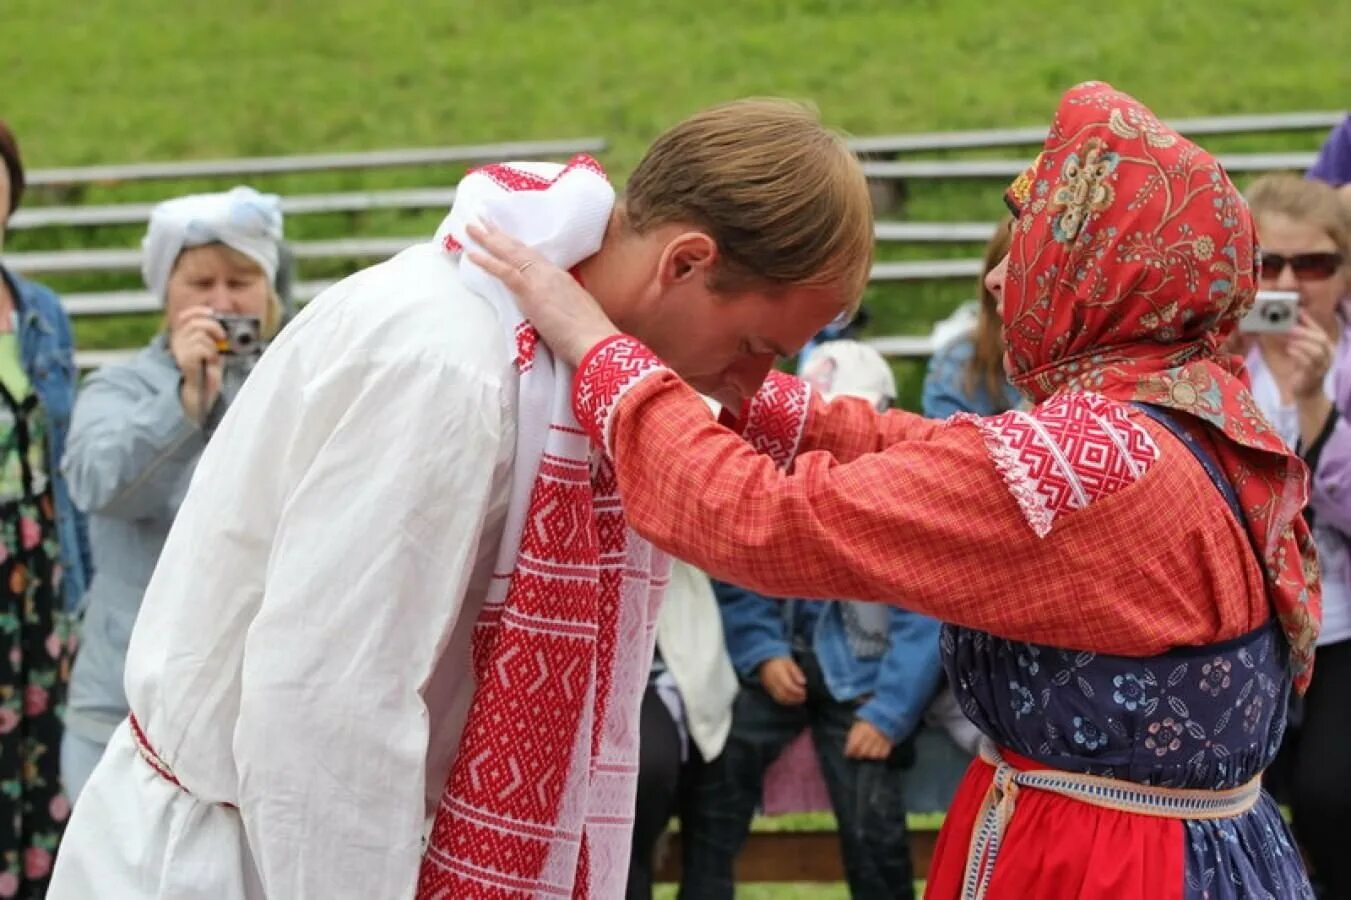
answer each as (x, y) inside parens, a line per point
(1306, 266)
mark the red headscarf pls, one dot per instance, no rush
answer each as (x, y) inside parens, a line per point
(1133, 257)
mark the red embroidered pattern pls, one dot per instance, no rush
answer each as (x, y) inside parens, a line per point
(540, 798)
(533, 659)
(777, 417)
(527, 339)
(510, 178)
(607, 372)
(1069, 452)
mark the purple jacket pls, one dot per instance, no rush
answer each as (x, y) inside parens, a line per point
(1331, 494)
(1330, 488)
(1333, 164)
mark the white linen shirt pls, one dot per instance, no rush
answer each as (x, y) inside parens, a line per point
(303, 649)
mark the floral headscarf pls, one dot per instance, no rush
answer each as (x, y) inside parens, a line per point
(1133, 257)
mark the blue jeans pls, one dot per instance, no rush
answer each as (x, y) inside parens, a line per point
(867, 794)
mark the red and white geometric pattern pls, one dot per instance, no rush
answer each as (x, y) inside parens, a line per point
(527, 339)
(540, 797)
(516, 179)
(1068, 452)
(609, 371)
(777, 417)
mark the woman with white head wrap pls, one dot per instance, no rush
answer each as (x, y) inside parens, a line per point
(209, 255)
(139, 428)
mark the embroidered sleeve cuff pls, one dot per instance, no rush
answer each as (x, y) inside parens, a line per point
(776, 418)
(608, 372)
(1065, 454)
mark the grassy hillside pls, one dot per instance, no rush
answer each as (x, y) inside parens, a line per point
(137, 80)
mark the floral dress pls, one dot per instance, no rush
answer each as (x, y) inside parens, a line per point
(35, 656)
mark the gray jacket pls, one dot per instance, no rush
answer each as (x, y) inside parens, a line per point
(129, 458)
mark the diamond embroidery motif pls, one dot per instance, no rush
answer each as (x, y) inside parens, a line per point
(1065, 454)
(778, 417)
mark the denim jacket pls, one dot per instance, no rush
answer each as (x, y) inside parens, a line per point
(882, 655)
(945, 388)
(48, 357)
(130, 458)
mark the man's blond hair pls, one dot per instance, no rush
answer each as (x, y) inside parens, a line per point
(782, 195)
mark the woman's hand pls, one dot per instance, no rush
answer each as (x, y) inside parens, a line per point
(1299, 363)
(1310, 351)
(193, 340)
(568, 318)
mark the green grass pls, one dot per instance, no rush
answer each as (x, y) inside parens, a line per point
(136, 80)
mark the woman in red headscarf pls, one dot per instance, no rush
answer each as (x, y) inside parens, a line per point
(1130, 589)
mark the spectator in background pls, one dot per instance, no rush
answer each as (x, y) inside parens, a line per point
(845, 328)
(686, 714)
(966, 372)
(1302, 383)
(140, 427)
(44, 560)
(1333, 164)
(858, 675)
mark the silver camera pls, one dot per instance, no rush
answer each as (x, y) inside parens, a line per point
(1273, 312)
(243, 335)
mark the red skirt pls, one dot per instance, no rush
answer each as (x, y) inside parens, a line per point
(1056, 848)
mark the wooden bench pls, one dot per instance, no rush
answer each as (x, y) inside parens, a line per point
(291, 205)
(795, 856)
(887, 175)
(1009, 168)
(78, 176)
(129, 260)
(989, 138)
(934, 232)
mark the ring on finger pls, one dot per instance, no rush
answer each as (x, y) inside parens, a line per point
(525, 265)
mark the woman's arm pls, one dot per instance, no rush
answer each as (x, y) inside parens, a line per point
(787, 418)
(130, 447)
(929, 525)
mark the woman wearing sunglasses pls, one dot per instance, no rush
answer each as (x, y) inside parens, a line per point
(1302, 382)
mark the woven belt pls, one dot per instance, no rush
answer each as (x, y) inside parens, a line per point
(160, 766)
(1108, 793)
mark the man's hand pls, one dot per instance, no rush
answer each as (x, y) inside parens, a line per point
(865, 741)
(784, 681)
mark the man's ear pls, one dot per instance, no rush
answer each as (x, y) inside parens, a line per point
(688, 257)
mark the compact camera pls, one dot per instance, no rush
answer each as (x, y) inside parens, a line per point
(243, 335)
(1273, 312)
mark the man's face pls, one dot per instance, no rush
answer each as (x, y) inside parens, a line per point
(724, 344)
